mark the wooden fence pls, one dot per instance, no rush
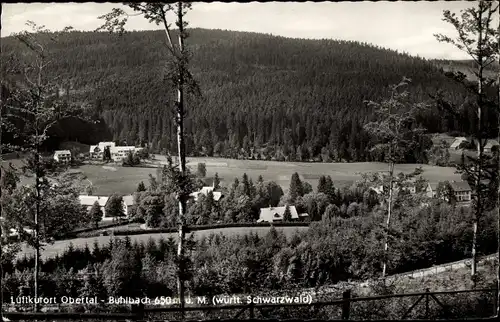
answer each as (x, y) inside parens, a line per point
(474, 305)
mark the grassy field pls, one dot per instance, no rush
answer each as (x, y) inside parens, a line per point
(60, 246)
(110, 179)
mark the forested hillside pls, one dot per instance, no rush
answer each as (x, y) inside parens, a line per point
(288, 98)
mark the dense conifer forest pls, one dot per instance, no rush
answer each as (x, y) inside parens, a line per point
(263, 96)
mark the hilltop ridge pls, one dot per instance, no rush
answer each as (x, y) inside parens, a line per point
(298, 98)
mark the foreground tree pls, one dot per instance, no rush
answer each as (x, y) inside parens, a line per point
(397, 134)
(181, 79)
(36, 103)
(478, 38)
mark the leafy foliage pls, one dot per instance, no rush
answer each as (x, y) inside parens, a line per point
(114, 207)
(96, 214)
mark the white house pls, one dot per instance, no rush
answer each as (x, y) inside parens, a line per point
(275, 214)
(128, 202)
(456, 143)
(410, 187)
(204, 191)
(96, 151)
(88, 201)
(118, 153)
(63, 156)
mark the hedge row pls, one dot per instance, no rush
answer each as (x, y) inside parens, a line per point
(82, 232)
(193, 228)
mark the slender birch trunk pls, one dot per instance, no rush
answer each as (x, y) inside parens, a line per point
(1, 170)
(182, 161)
(480, 147)
(37, 185)
(498, 165)
(388, 222)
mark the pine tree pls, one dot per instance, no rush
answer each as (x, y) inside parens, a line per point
(322, 184)
(330, 189)
(216, 181)
(141, 187)
(296, 189)
(246, 185)
(287, 215)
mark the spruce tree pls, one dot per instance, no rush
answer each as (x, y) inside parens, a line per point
(141, 187)
(287, 215)
(296, 189)
(216, 181)
(322, 184)
(96, 214)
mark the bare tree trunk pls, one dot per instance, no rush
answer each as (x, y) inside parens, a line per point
(1, 169)
(37, 184)
(498, 165)
(480, 148)
(388, 222)
(182, 163)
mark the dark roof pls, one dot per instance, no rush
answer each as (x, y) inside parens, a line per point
(460, 186)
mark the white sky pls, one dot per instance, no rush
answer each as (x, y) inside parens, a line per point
(405, 26)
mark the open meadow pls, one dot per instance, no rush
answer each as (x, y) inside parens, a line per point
(59, 246)
(111, 179)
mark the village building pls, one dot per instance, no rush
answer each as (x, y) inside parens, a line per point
(118, 153)
(457, 142)
(491, 145)
(431, 189)
(204, 191)
(409, 186)
(462, 191)
(88, 201)
(275, 214)
(62, 156)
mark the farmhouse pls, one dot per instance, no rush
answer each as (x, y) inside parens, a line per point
(89, 201)
(462, 191)
(63, 156)
(490, 146)
(275, 214)
(456, 143)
